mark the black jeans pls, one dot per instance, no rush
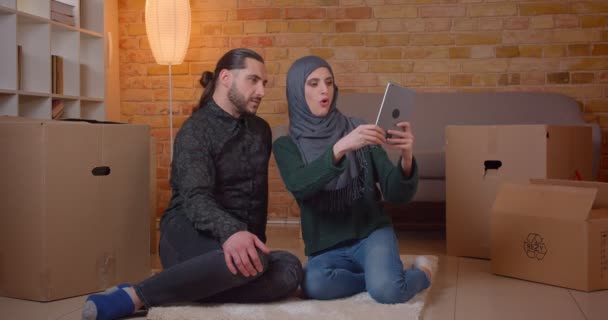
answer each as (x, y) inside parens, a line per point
(195, 271)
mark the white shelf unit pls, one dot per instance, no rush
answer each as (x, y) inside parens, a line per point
(27, 23)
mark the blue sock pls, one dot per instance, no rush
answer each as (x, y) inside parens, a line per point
(110, 306)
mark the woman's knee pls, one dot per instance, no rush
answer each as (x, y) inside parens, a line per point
(390, 293)
(315, 283)
(390, 290)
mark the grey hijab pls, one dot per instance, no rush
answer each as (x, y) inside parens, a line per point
(313, 135)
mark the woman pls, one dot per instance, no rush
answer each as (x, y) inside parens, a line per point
(331, 164)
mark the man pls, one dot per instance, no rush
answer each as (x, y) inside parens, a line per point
(213, 233)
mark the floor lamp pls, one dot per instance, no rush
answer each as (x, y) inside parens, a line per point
(168, 29)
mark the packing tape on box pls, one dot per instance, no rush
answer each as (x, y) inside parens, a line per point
(106, 270)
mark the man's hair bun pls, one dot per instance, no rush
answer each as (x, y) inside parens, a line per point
(206, 78)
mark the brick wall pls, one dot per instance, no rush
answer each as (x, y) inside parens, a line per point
(431, 45)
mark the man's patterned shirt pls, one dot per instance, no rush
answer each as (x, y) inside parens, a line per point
(219, 174)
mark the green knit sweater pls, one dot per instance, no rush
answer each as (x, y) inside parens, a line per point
(322, 230)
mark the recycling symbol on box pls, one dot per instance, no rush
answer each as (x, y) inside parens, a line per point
(535, 247)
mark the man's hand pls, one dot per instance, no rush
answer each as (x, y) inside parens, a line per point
(404, 141)
(362, 136)
(240, 251)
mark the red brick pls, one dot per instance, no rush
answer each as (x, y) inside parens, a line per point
(513, 23)
(534, 9)
(553, 51)
(493, 10)
(346, 26)
(296, 40)
(254, 27)
(482, 52)
(137, 95)
(600, 49)
(558, 77)
(436, 66)
(593, 7)
(596, 106)
(253, 41)
(464, 24)
(342, 40)
(460, 52)
(603, 77)
(461, 80)
(390, 53)
(390, 66)
(478, 38)
(431, 39)
(437, 24)
(492, 23)
(507, 52)
(509, 79)
(305, 13)
(531, 51)
(594, 21)
(579, 50)
(442, 11)
(527, 36)
(386, 40)
(586, 64)
(485, 65)
(258, 14)
(325, 53)
(349, 13)
(485, 80)
(566, 21)
(130, 16)
(299, 26)
(208, 15)
(387, 12)
(583, 77)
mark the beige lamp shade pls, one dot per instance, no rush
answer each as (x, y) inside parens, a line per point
(168, 29)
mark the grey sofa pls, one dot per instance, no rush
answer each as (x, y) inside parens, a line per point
(432, 112)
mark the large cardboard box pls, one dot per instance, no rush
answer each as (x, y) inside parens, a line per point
(74, 207)
(481, 158)
(553, 232)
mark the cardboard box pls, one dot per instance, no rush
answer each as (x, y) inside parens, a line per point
(554, 232)
(74, 208)
(481, 158)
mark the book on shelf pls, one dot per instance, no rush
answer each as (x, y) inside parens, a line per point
(62, 18)
(19, 66)
(59, 75)
(56, 74)
(57, 109)
(62, 8)
(53, 72)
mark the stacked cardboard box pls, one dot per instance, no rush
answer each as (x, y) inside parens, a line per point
(479, 159)
(75, 207)
(552, 231)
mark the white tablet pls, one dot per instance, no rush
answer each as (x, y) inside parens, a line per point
(396, 106)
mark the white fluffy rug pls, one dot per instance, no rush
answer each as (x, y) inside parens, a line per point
(360, 306)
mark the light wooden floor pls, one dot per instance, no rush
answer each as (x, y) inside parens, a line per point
(463, 289)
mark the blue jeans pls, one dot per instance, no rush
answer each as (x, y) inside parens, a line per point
(195, 271)
(370, 264)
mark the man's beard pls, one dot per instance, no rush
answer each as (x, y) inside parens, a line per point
(239, 101)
